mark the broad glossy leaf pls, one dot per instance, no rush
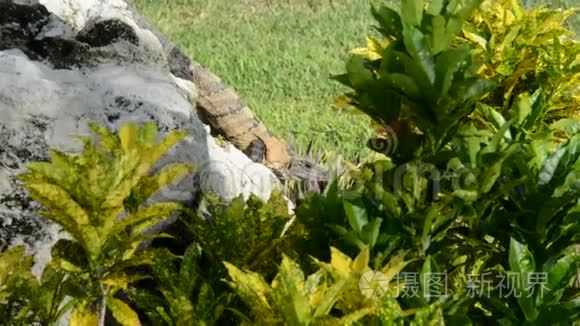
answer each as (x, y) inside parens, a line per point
(251, 287)
(343, 79)
(189, 269)
(70, 255)
(394, 266)
(147, 134)
(391, 203)
(389, 20)
(521, 109)
(206, 300)
(539, 108)
(412, 12)
(106, 138)
(150, 185)
(13, 263)
(361, 262)
(122, 280)
(496, 118)
(83, 316)
(66, 211)
(447, 64)
(122, 312)
(559, 163)
(145, 218)
(288, 290)
(571, 183)
(490, 176)
(438, 38)
(521, 262)
(558, 276)
(340, 262)
(356, 213)
(418, 47)
(128, 137)
(329, 299)
(472, 36)
(570, 126)
(405, 84)
(370, 232)
(358, 73)
(435, 6)
(473, 89)
(429, 273)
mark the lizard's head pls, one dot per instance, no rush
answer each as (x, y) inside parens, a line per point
(307, 170)
(286, 164)
(312, 175)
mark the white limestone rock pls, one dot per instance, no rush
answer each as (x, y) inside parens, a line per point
(55, 76)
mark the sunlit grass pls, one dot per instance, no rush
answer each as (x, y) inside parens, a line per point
(278, 55)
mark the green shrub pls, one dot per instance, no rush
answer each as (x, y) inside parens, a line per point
(525, 49)
(477, 183)
(471, 185)
(86, 194)
(293, 299)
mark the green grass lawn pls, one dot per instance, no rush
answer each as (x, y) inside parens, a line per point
(278, 55)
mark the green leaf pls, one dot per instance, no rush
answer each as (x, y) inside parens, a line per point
(68, 213)
(495, 118)
(147, 133)
(405, 84)
(570, 126)
(370, 232)
(558, 276)
(521, 262)
(188, 272)
(389, 20)
(429, 284)
(521, 109)
(356, 213)
(288, 292)
(447, 64)
(82, 315)
(122, 312)
(412, 12)
(439, 37)
(69, 255)
(558, 165)
(435, 7)
(332, 295)
(122, 280)
(538, 108)
(150, 185)
(145, 218)
(206, 300)
(107, 139)
(251, 288)
(418, 47)
(127, 137)
(358, 74)
(343, 79)
(391, 203)
(490, 176)
(473, 89)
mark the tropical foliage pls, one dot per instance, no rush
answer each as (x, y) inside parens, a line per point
(469, 214)
(86, 194)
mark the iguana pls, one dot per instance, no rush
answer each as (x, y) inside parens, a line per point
(221, 108)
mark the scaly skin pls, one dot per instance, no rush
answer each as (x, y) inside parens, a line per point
(221, 108)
